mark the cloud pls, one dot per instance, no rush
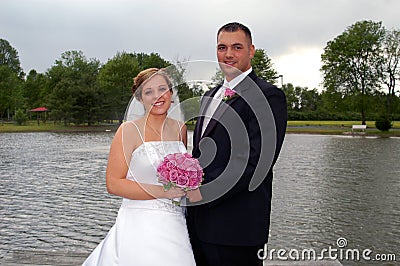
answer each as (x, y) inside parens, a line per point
(290, 31)
(298, 67)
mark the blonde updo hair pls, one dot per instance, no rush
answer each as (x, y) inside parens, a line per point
(145, 75)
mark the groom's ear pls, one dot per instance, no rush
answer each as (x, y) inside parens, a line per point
(252, 51)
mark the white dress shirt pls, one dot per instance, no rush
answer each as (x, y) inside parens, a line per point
(219, 95)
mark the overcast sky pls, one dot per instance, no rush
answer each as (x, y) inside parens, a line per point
(292, 32)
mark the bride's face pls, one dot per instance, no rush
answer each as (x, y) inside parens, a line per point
(156, 95)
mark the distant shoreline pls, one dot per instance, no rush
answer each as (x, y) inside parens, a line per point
(294, 127)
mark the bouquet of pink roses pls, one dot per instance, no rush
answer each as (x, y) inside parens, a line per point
(180, 170)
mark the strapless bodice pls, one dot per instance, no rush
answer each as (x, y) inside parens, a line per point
(146, 158)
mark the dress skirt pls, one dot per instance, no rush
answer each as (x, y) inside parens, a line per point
(151, 232)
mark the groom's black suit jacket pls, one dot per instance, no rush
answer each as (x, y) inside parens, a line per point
(239, 217)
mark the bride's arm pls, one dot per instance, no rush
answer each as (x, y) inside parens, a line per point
(183, 130)
(118, 162)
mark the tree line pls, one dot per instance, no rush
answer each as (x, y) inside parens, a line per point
(80, 90)
(360, 68)
(76, 89)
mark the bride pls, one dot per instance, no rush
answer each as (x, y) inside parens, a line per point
(149, 228)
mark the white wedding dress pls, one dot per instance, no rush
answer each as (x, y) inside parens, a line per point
(146, 232)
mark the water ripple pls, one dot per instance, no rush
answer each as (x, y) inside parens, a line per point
(53, 195)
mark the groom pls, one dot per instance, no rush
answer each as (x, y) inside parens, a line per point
(237, 139)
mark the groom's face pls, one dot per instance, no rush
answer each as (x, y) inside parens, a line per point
(234, 51)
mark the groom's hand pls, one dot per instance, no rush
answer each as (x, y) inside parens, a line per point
(194, 195)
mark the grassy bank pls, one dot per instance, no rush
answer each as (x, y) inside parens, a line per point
(339, 128)
(370, 124)
(301, 127)
(52, 127)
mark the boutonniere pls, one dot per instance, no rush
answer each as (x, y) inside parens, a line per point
(229, 94)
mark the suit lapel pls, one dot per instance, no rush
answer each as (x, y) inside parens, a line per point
(203, 109)
(240, 89)
(217, 115)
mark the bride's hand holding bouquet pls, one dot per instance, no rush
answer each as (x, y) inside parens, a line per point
(180, 170)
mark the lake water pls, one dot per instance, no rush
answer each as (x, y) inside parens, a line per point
(53, 195)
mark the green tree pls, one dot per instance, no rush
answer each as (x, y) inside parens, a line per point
(390, 67)
(293, 97)
(11, 80)
(310, 99)
(350, 62)
(263, 66)
(188, 91)
(34, 89)
(218, 77)
(21, 117)
(150, 60)
(184, 90)
(302, 103)
(115, 80)
(333, 101)
(10, 92)
(74, 96)
(9, 57)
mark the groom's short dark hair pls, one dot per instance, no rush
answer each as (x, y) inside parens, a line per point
(235, 26)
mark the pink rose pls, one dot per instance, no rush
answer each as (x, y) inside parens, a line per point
(168, 165)
(180, 169)
(200, 176)
(182, 181)
(180, 158)
(173, 175)
(193, 183)
(229, 94)
(188, 165)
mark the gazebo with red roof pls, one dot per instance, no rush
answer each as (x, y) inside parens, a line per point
(40, 110)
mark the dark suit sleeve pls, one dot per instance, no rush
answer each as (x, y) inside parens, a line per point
(279, 109)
